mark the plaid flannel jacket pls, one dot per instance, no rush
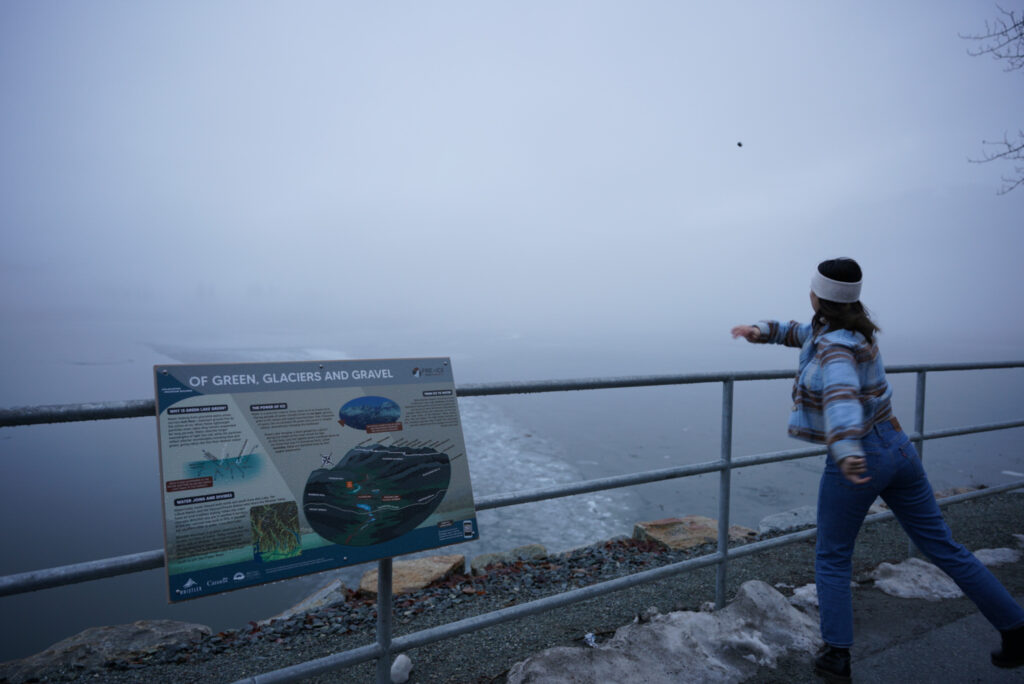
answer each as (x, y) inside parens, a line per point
(840, 391)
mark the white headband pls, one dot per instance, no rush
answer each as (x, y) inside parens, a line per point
(834, 290)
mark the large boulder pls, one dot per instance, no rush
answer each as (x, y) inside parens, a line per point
(687, 532)
(793, 519)
(412, 575)
(92, 648)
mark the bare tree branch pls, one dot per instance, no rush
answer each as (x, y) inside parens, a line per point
(1004, 40)
(1009, 150)
(1004, 149)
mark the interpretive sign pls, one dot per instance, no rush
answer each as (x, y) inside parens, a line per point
(274, 470)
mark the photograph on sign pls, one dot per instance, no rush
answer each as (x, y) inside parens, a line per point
(275, 470)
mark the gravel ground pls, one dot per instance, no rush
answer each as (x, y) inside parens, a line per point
(486, 655)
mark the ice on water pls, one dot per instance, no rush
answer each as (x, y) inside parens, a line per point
(505, 457)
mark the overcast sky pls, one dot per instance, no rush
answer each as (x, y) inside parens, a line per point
(504, 165)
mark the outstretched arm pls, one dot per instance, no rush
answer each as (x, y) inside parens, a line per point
(751, 333)
(791, 334)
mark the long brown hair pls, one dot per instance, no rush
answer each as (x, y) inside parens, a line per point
(843, 315)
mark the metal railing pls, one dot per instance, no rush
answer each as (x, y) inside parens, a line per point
(385, 646)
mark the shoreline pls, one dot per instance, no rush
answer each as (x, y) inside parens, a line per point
(486, 655)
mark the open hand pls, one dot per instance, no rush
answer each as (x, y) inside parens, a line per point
(852, 468)
(751, 333)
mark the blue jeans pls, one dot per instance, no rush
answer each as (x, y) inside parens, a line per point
(898, 477)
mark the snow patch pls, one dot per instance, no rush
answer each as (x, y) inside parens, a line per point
(915, 578)
(757, 628)
(805, 598)
(503, 455)
(997, 556)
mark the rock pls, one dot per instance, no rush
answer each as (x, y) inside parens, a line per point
(94, 647)
(803, 516)
(412, 575)
(739, 533)
(331, 593)
(678, 533)
(687, 532)
(915, 578)
(400, 669)
(756, 629)
(528, 552)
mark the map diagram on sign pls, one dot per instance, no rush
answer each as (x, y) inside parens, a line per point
(376, 493)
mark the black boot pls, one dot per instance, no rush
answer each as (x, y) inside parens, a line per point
(833, 664)
(1012, 652)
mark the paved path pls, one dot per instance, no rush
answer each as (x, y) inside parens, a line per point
(956, 652)
(904, 641)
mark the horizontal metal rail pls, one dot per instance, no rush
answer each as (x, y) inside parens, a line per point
(76, 573)
(70, 413)
(363, 654)
(49, 578)
(142, 408)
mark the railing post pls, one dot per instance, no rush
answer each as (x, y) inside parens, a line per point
(725, 483)
(919, 440)
(919, 414)
(384, 613)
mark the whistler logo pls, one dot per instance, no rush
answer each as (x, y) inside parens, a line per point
(420, 372)
(189, 587)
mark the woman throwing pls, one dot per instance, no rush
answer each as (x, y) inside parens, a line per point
(841, 398)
